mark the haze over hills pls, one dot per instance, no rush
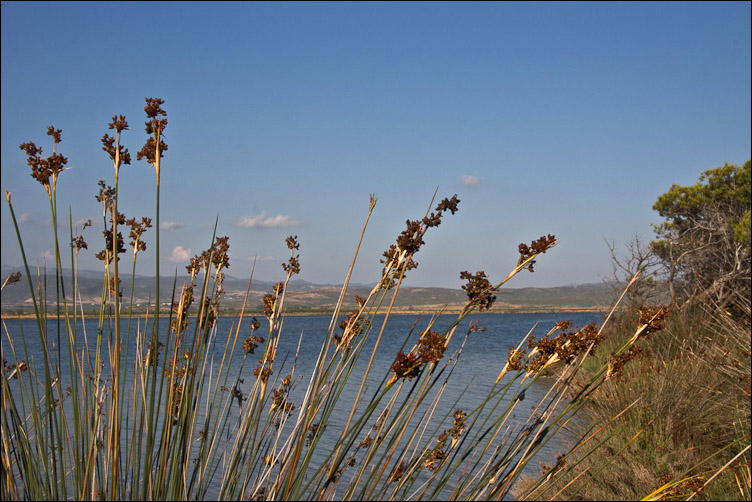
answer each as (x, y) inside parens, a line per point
(303, 296)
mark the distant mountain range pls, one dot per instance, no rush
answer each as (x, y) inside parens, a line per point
(303, 296)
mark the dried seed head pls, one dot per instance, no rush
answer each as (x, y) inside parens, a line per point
(539, 246)
(118, 123)
(12, 278)
(55, 133)
(478, 289)
(406, 366)
(431, 347)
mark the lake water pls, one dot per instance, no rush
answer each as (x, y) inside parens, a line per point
(483, 356)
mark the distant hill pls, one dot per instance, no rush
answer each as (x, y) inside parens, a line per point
(303, 296)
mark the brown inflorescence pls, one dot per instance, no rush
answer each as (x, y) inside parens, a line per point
(406, 366)
(431, 347)
(116, 153)
(55, 133)
(616, 362)
(478, 289)
(155, 127)
(137, 229)
(106, 254)
(434, 458)
(292, 266)
(651, 317)
(565, 347)
(411, 239)
(44, 168)
(106, 194)
(353, 324)
(180, 308)
(250, 343)
(539, 246)
(262, 373)
(79, 243)
(397, 472)
(279, 400)
(216, 253)
(269, 303)
(13, 278)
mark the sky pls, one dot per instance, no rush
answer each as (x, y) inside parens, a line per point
(283, 118)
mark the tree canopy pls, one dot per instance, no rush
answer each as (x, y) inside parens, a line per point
(705, 241)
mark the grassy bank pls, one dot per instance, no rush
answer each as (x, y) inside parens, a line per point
(682, 407)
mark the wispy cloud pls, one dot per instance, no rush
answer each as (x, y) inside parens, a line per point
(180, 254)
(470, 181)
(170, 225)
(265, 221)
(27, 217)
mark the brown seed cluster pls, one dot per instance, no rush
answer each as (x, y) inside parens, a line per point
(106, 194)
(616, 362)
(13, 278)
(262, 373)
(652, 318)
(353, 325)
(271, 299)
(565, 346)
(397, 472)
(78, 243)
(152, 352)
(411, 239)
(687, 488)
(210, 310)
(44, 168)
(106, 254)
(55, 133)
(478, 289)
(137, 229)
(22, 366)
(539, 246)
(434, 458)
(406, 366)
(279, 400)
(431, 347)
(292, 266)
(155, 127)
(217, 255)
(250, 343)
(313, 430)
(116, 152)
(180, 320)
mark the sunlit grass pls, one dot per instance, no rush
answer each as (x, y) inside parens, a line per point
(177, 424)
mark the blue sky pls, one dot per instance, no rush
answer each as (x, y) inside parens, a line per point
(561, 118)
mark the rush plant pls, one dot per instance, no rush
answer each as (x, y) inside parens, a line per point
(94, 427)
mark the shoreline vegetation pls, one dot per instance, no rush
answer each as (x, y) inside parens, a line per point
(655, 399)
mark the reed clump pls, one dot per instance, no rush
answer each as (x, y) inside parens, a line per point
(672, 422)
(178, 423)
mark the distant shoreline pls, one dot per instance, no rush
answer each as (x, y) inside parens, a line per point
(410, 311)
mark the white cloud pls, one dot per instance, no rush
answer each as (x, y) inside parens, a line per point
(27, 217)
(265, 221)
(469, 180)
(170, 225)
(180, 254)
